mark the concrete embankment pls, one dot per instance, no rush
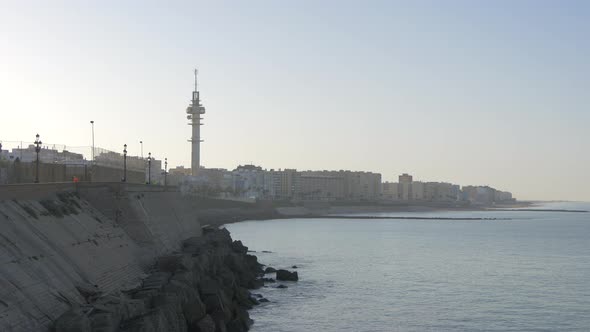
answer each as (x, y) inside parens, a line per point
(62, 243)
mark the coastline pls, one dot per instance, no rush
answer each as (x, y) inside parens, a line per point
(219, 217)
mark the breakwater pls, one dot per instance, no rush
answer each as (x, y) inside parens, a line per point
(202, 288)
(401, 217)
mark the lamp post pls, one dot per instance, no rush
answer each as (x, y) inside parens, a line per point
(141, 143)
(92, 124)
(149, 168)
(165, 170)
(37, 150)
(124, 163)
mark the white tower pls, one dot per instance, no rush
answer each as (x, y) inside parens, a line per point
(194, 111)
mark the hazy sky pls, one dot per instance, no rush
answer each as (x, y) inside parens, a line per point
(469, 92)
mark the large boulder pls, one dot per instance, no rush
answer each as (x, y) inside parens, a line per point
(88, 291)
(285, 275)
(239, 248)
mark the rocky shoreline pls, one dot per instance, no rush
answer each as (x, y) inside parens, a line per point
(204, 288)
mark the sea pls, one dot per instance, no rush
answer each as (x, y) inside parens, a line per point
(522, 271)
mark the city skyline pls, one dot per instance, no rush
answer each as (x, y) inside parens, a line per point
(502, 104)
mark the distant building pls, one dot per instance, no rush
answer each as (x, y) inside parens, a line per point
(405, 187)
(248, 181)
(320, 185)
(219, 178)
(153, 170)
(360, 185)
(284, 184)
(482, 195)
(503, 197)
(409, 190)
(180, 170)
(391, 191)
(441, 192)
(418, 190)
(46, 155)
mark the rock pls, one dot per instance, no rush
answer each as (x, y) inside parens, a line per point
(206, 324)
(267, 252)
(208, 287)
(255, 284)
(156, 280)
(254, 301)
(243, 316)
(236, 326)
(88, 291)
(105, 321)
(194, 244)
(194, 312)
(219, 318)
(173, 263)
(185, 293)
(285, 275)
(73, 320)
(282, 286)
(294, 266)
(242, 297)
(270, 270)
(131, 308)
(213, 303)
(190, 278)
(205, 289)
(146, 296)
(238, 247)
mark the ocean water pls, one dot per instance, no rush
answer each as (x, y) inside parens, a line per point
(530, 273)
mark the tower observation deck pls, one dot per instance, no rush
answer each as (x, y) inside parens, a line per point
(194, 111)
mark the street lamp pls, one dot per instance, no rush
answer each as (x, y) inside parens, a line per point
(37, 149)
(124, 163)
(165, 170)
(92, 124)
(149, 168)
(141, 143)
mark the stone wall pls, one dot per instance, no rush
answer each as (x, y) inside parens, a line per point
(21, 172)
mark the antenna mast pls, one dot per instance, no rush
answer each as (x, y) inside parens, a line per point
(196, 73)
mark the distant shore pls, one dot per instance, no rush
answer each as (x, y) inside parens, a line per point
(220, 216)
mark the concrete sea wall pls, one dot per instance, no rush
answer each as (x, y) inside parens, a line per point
(58, 241)
(25, 172)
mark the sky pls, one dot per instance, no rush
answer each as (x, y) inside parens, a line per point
(469, 92)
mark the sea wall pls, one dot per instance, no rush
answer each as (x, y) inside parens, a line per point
(25, 172)
(58, 241)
